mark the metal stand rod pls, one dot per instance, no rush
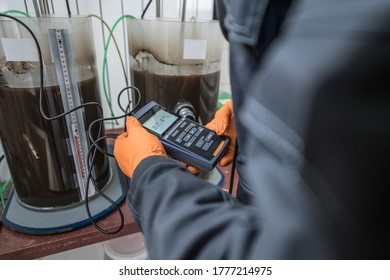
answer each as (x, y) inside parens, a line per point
(159, 9)
(183, 11)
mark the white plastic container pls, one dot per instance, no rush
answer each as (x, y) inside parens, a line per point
(173, 61)
(129, 247)
(89, 252)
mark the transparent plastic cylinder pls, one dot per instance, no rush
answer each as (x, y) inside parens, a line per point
(41, 154)
(174, 61)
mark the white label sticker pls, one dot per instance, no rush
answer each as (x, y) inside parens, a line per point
(194, 49)
(20, 49)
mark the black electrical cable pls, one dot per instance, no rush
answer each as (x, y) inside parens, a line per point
(146, 8)
(94, 142)
(1, 158)
(90, 161)
(68, 8)
(128, 106)
(127, 113)
(232, 171)
(93, 180)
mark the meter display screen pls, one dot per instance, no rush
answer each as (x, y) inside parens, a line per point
(160, 121)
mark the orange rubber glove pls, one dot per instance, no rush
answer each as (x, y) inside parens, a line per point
(223, 124)
(134, 145)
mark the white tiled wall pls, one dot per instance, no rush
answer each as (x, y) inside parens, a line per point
(110, 11)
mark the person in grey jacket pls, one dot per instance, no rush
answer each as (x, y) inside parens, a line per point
(311, 103)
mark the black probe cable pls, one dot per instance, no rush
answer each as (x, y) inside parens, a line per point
(97, 147)
(90, 178)
(127, 113)
(68, 8)
(233, 169)
(146, 8)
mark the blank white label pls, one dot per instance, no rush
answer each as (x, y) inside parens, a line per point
(194, 49)
(20, 49)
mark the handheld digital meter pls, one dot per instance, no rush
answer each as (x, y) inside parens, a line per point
(183, 139)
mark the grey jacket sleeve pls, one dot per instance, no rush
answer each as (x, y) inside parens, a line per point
(184, 217)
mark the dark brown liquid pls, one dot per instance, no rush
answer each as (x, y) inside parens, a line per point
(38, 151)
(200, 90)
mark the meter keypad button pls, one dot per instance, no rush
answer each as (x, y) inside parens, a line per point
(209, 136)
(180, 138)
(200, 142)
(175, 133)
(207, 145)
(200, 129)
(192, 131)
(187, 137)
(183, 124)
(189, 127)
(189, 143)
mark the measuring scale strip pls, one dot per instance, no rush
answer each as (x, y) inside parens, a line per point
(73, 118)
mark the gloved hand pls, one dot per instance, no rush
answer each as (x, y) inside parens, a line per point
(223, 124)
(132, 146)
